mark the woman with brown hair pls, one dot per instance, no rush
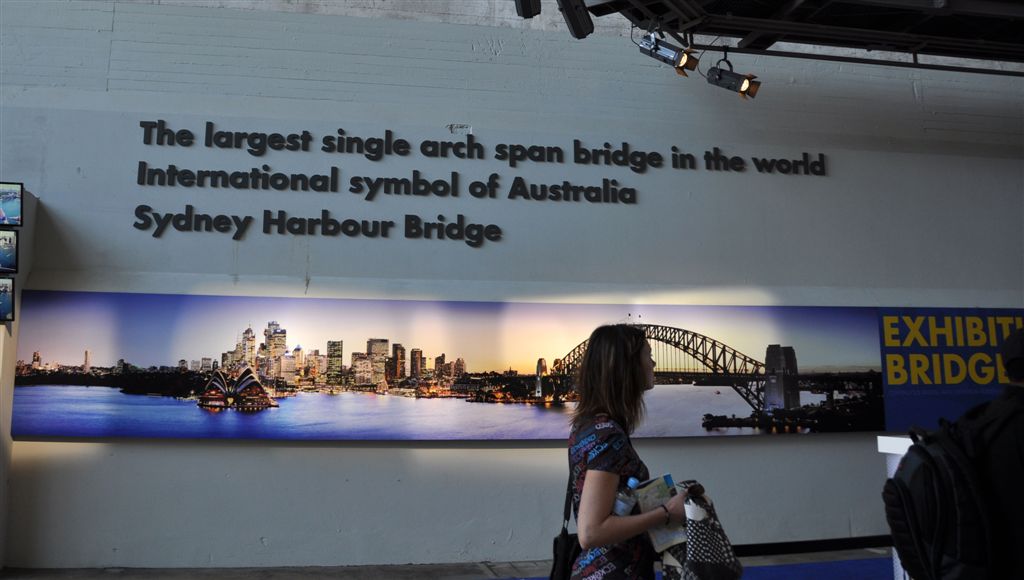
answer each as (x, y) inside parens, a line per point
(616, 371)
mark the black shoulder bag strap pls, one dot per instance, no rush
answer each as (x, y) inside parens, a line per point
(566, 545)
(567, 513)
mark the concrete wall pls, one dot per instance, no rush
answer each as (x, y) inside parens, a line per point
(921, 207)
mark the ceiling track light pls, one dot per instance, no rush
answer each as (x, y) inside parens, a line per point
(527, 8)
(680, 59)
(745, 85)
(577, 18)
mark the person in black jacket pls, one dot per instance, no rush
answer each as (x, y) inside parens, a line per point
(1004, 466)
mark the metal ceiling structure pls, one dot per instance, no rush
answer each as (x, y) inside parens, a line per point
(986, 30)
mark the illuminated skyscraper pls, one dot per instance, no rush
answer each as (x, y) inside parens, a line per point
(206, 364)
(287, 369)
(37, 360)
(278, 343)
(249, 347)
(268, 334)
(318, 363)
(362, 368)
(415, 363)
(264, 359)
(377, 350)
(315, 362)
(460, 367)
(398, 360)
(439, 368)
(335, 361)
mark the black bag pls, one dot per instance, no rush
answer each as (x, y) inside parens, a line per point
(936, 503)
(566, 547)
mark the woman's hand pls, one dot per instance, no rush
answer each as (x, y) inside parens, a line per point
(676, 508)
(597, 526)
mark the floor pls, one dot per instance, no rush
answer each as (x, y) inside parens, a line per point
(474, 571)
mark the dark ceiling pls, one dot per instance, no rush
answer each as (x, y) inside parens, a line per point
(991, 30)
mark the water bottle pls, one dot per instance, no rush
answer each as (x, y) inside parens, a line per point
(626, 499)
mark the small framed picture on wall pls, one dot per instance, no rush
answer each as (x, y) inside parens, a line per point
(11, 194)
(6, 299)
(8, 252)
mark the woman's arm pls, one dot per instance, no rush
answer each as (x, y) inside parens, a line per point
(597, 526)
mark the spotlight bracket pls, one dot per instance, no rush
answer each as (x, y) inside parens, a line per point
(678, 58)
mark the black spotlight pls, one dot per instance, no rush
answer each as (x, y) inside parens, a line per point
(527, 8)
(745, 85)
(681, 59)
(576, 17)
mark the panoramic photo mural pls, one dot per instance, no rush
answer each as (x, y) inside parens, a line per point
(185, 366)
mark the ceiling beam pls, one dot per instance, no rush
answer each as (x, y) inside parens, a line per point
(758, 39)
(992, 8)
(655, 20)
(807, 33)
(857, 60)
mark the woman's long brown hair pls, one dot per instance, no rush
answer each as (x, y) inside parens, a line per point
(611, 377)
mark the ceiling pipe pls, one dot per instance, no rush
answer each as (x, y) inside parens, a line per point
(858, 60)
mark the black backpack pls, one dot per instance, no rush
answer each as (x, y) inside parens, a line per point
(937, 502)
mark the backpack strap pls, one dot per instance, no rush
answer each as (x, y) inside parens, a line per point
(962, 458)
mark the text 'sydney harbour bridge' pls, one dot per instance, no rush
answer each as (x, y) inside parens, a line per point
(771, 388)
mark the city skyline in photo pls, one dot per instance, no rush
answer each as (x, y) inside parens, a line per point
(161, 329)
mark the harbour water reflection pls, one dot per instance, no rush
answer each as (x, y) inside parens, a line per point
(79, 411)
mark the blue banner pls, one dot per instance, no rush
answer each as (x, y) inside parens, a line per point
(939, 362)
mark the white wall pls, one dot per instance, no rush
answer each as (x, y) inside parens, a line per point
(158, 503)
(8, 354)
(922, 207)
